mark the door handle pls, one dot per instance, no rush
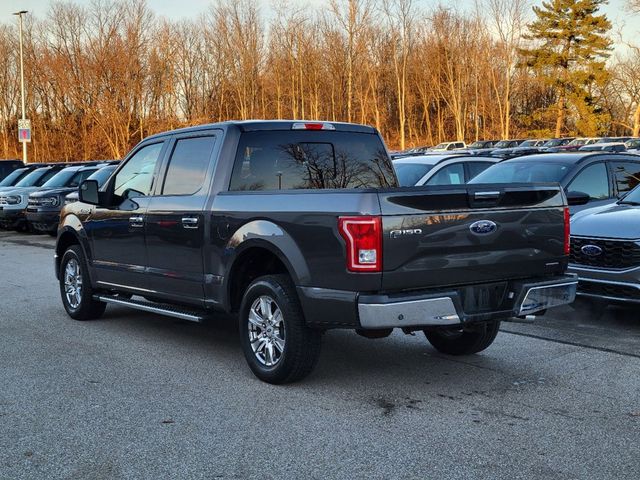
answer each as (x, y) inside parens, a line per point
(136, 221)
(190, 222)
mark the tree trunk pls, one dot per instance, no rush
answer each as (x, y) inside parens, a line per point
(560, 117)
(636, 121)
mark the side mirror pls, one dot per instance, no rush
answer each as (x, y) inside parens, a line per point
(578, 198)
(88, 192)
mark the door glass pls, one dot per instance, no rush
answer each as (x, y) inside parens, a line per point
(450, 175)
(136, 176)
(188, 166)
(627, 175)
(593, 181)
(475, 168)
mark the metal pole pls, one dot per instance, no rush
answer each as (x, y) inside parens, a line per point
(24, 144)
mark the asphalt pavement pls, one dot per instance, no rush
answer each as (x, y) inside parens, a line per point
(139, 396)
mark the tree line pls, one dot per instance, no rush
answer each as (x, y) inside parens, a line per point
(101, 77)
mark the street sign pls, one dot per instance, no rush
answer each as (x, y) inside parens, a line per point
(24, 130)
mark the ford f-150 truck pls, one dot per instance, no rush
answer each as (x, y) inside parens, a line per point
(300, 227)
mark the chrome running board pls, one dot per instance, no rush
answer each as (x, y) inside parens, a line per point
(159, 308)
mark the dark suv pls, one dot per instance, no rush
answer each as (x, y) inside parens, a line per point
(8, 166)
(299, 227)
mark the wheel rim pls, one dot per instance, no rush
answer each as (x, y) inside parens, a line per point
(73, 283)
(266, 331)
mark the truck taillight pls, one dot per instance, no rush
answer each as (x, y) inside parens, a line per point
(567, 231)
(364, 242)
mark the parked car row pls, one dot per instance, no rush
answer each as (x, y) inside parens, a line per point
(31, 196)
(519, 147)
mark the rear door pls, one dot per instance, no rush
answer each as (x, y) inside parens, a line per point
(445, 236)
(175, 223)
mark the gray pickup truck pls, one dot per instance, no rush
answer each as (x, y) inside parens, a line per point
(300, 227)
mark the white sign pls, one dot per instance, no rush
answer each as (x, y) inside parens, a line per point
(24, 130)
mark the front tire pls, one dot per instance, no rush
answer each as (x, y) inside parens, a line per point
(75, 287)
(464, 342)
(276, 342)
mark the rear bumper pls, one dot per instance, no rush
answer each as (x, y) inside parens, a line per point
(336, 309)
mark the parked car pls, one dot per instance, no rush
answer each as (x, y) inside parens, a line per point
(100, 176)
(605, 252)
(440, 169)
(507, 144)
(573, 145)
(482, 144)
(8, 166)
(13, 199)
(533, 143)
(15, 176)
(551, 145)
(447, 146)
(633, 145)
(505, 153)
(602, 176)
(44, 205)
(604, 147)
(308, 237)
(613, 139)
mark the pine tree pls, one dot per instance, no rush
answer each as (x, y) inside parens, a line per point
(570, 52)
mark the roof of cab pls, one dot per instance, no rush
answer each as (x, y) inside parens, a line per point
(256, 125)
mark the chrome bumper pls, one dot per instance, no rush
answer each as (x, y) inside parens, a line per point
(445, 309)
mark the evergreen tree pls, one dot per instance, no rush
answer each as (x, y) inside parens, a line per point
(569, 53)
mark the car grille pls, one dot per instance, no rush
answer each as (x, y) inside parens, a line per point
(3, 200)
(34, 202)
(616, 254)
(608, 290)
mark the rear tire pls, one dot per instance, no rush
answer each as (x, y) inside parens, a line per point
(464, 342)
(277, 344)
(75, 286)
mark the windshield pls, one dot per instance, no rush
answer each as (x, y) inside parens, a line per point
(31, 179)
(102, 175)
(629, 144)
(410, 173)
(477, 145)
(553, 143)
(12, 177)
(577, 141)
(528, 143)
(503, 144)
(523, 172)
(61, 178)
(441, 146)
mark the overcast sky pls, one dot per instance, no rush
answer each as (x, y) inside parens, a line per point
(628, 25)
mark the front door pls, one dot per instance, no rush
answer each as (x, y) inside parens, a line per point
(175, 220)
(117, 232)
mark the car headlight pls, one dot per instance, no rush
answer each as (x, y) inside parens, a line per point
(50, 201)
(68, 201)
(13, 199)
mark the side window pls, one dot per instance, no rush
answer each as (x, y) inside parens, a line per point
(626, 175)
(188, 166)
(450, 175)
(45, 178)
(459, 145)
(135, 178)
(593, 181)
(476, 168)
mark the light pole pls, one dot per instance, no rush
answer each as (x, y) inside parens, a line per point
(24, 144)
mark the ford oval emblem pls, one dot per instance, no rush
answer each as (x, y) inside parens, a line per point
(483, 227)
(591, 250)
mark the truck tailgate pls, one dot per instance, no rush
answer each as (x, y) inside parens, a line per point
(435, 237)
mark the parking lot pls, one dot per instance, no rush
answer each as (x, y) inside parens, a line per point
(136, 395)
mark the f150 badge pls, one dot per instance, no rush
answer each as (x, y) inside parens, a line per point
(405, 232)
(483, 227)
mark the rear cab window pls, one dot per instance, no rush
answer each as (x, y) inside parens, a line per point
(294, 160)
